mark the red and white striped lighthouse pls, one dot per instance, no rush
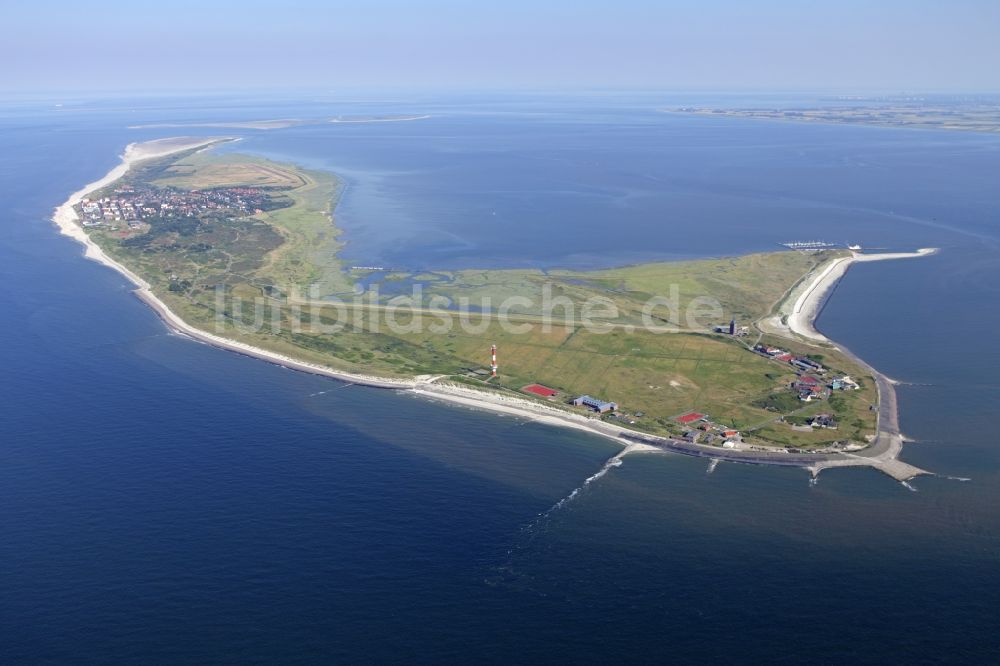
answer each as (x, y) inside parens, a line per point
(493, 360)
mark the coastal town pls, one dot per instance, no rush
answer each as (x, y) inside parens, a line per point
(134, 204)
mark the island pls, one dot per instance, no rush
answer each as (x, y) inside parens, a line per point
(948, 114)
(715, 358)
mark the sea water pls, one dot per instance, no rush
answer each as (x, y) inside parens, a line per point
(166, 501)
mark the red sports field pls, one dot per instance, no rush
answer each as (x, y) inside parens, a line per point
(538, 389)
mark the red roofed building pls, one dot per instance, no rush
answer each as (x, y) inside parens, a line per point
(538, 389)
(690, 417)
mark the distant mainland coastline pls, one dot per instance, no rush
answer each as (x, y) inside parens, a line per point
(965, 117)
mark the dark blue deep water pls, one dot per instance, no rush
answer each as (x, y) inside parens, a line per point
(162, 501)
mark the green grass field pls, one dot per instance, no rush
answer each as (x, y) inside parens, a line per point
(265, 278)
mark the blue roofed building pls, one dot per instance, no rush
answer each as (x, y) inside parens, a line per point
(599, 406)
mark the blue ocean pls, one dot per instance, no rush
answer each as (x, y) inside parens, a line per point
(167, 502)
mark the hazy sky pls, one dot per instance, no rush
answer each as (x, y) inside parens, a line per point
(893, 45)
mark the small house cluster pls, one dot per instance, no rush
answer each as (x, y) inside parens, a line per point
(844, 383)
(803, 363)
(809, 388)
(775, 353)
(703, 431)
(823, 421)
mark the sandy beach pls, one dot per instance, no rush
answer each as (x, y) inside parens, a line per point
(380, 120)
(68, 222)
(797, 314)
(802, 305)
(795, 318)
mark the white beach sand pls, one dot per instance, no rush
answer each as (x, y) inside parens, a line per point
(797, 313)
